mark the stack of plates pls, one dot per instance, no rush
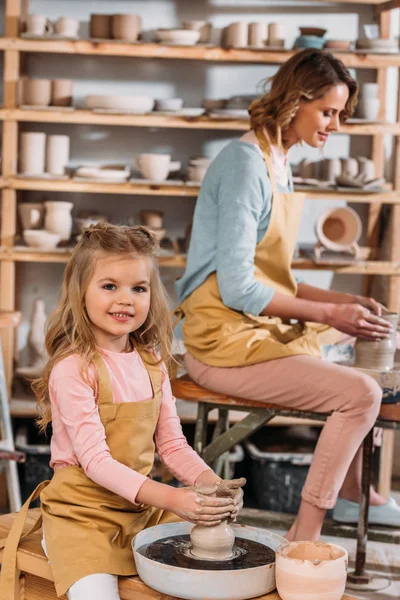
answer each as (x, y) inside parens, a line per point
(378, 45)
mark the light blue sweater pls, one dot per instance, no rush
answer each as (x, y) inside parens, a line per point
(231, 217)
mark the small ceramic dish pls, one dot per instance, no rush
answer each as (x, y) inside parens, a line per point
(40, 238)
(313, 31)
(98, 173)
(184, 37)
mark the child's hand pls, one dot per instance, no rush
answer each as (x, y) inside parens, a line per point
(199, 509)
(226, 488)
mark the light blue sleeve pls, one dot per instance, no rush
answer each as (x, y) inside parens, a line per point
(244, 194)
(291, 187)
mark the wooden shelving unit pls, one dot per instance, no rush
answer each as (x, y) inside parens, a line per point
(15, 47)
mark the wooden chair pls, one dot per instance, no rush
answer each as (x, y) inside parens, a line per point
(260, 413)
(36, 581)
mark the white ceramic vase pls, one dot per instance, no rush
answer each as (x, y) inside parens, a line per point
(57, 154)
(58, 219)
(32, 156)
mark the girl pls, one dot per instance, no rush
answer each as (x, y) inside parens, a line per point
(238, 295)
(107, 393)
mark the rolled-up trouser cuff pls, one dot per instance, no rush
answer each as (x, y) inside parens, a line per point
(323, 503)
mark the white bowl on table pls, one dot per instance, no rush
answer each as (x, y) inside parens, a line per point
(184, 37)
(40, 238)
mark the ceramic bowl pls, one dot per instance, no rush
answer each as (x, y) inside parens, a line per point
(309, 41)
(116, 175)
(313, 31)
(137, 103)
(338, 44)
(210, 104)
(186, 37)
(169, 104)
(338, 229)
(40, 238)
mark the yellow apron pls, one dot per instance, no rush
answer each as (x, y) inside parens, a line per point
(89, 529)
(221, 337)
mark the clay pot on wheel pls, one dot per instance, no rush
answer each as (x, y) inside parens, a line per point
(307, 570)
(377, 355)
(212, 543)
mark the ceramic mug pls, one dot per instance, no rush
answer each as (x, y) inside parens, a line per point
(32, 155)
(308, 169)
(258, 34)
(366, 168)
(276, 33)
(155, 167)
(369, 90)
(339, 229)
(36, 92)
(349, 166)
(238, 34)
(31, 214)
(204, 27)
(38, 25)
(126, 27)
(153, 219)
(197, 172)
(100, 26)
(67, 27)
(57, 154)
(368, 108)
(330, 169)
(61, 92)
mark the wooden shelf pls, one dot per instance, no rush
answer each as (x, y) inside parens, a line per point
(368, 267)
(182, 190)
(89, 117)
(214, 53)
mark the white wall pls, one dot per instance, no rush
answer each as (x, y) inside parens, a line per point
(191, 80)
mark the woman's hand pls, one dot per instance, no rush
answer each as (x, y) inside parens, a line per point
(200, 509)
(372, 305)
(356, 320)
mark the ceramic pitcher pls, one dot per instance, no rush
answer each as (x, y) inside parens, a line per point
(58, 218)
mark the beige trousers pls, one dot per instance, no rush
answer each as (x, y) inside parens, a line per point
(311, 384)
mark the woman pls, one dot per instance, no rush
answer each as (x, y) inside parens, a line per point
(238, 293)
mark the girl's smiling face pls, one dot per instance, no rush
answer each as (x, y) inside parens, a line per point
(317, 119)
(117, 299)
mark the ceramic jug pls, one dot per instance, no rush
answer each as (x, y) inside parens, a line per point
(58, 218)
(31, 214)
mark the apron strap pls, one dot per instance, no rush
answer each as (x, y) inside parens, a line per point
(266, 149)
(154, 371)
(9, 580)
(105, 395)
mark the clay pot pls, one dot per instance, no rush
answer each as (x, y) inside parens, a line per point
(308, 169)
(31, 214)
(369, 90)
(311, 569)
(61, 92)
(204, 27)
(32, 156)
(276, 34)
(368, 108)
(366, 168)
(57, 154)
(126, 27)
(330, 169)
(38, 25)
(378, 354)
(153, 219)
(58, 219)
(258, 34)
(155, 167)
(36, 92)
(339, 229)
(212, 543)
(100, 26)
(67, 27)
(197, 172)
(237, 35)
(349, 166)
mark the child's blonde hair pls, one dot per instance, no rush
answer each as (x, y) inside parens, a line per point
(69, 328)
(306, 76)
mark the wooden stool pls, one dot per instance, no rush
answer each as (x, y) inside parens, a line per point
(8, 456)
(36, 582)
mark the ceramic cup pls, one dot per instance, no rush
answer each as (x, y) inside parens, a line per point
(378, 354)
(366, 168)
(67, 27)
(197, 172)
(57, 154)
(369, 90)
(308, 169)
(126, 27)
(31, 214)
(339, 229)
(100, 26)
(258, 34)
(349, 166)
(58, 218)
(238, 34)
(36, 92)
(204, 27)
(32, 155)
(368, 108)
(330, 169)
(155, 167)
(311, 569)
(38, 25)
(61, 92)
(276, 33)
(153, 219)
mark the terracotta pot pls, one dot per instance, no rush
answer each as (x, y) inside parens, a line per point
(58, 219)
(339, 229)
(100, 26)
(154, 166)
(153, 219)
(212, 543)
(31, 214)
(57, 154)
(36, 92)
(126, 27)
(38, 25)
(32, 155)
(61, 92)
(378, 354)
(307, 570)
(67, 27)
(258, 34)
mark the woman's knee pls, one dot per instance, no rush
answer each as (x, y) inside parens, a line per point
(367, 395)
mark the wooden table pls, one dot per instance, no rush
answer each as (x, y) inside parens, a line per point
(37, 581)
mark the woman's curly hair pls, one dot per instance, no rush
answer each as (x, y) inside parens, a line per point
(305, 77)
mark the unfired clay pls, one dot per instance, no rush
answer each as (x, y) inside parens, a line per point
(377, 354)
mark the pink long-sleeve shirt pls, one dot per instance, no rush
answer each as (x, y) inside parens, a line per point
(78, 434)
